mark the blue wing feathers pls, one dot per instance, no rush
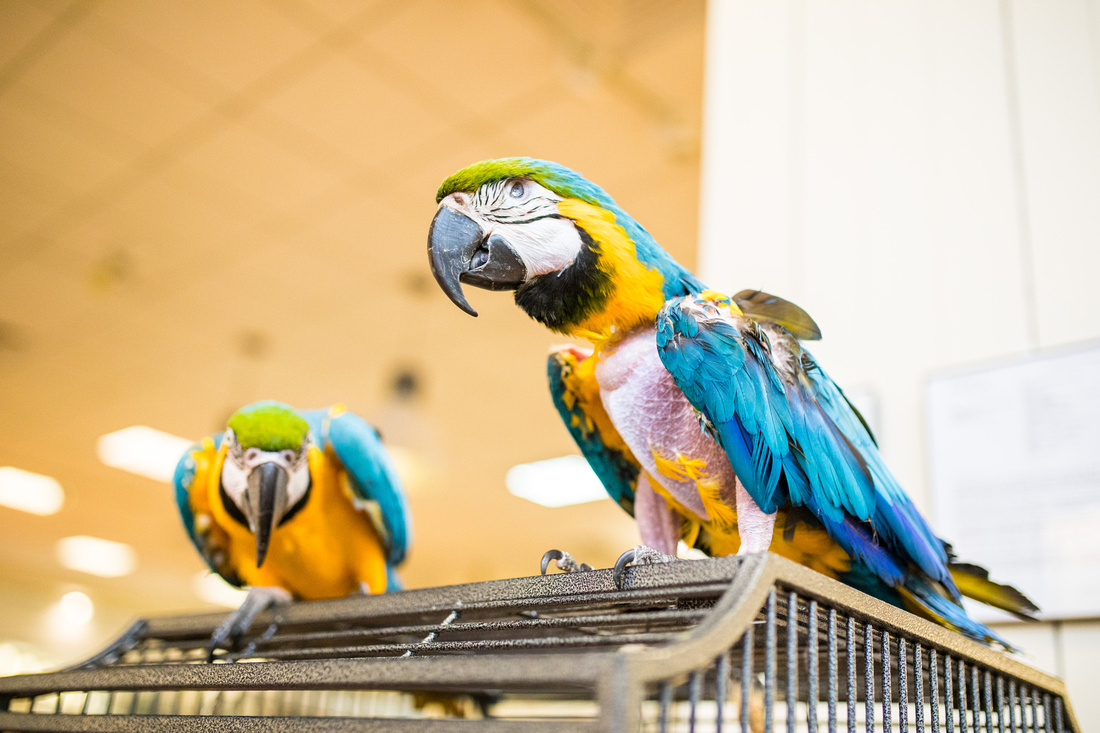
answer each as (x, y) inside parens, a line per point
(371, 470)
(796, 442)
(895, 515)
(183, 478)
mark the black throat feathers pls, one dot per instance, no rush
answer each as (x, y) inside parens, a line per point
(567, 297)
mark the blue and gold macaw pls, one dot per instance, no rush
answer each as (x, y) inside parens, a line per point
(702, 413)
(294, 504)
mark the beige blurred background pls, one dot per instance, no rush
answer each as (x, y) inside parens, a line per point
(210, 203)
(203, 204)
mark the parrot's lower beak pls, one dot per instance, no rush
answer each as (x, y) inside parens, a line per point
(267, 497)
(461, 252)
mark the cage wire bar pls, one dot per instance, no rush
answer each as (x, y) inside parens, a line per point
(737, 644)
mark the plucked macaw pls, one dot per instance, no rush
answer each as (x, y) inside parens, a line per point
(294, 504)
(701, 413)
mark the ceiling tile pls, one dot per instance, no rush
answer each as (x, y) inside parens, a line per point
(20, 22)
(112, 89)
(599, 134)
(151, 235)
(671, 68)
(351, 108)
(37, 138)
(239, 157)
(418, 174)
(322, 15)
(233, 43)
(478, 55)
(27, 197)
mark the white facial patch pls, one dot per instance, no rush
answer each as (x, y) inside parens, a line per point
(234, 474)
(239, 463)
(545, 245)
(299, 478)
(526, 215)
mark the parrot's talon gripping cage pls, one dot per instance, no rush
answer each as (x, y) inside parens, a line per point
(730, 644)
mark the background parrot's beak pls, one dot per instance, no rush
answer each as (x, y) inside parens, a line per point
(267, 497)
(461, 252)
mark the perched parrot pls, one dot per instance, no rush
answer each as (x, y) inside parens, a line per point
(294, 504)
(701, 413)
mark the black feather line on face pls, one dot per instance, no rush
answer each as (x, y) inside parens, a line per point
(235, 512)
(301, 503)
(568, 297)
(231, 507)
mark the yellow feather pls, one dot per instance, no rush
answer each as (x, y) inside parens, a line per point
(680, 468)
(637, 293)
(581, 388)
(324, 551)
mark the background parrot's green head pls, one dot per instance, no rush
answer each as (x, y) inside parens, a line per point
(577, 262)
(265, 477)
(269, 426)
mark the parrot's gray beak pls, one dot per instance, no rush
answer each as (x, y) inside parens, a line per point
(461, 252)
(267, 497)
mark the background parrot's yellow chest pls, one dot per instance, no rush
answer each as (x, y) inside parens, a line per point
(325, 550)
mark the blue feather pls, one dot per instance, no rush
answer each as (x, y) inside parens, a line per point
(894, 514)
(182, 479)
(373, 477)
(797, 443)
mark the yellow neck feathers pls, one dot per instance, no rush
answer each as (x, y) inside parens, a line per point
(636, 293)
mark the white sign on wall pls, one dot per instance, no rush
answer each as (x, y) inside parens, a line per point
(1015, 474)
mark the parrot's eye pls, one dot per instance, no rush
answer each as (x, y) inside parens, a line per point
(480, 258)
(290, 457)
(516, 190)
(251, 454)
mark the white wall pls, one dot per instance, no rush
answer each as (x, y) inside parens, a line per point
(923, 176)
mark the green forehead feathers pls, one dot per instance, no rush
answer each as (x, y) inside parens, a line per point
(472, 177)
(269, 426)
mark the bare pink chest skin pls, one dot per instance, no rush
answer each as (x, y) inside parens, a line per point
(653, 415)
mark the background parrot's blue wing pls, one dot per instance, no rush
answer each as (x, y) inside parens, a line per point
(372, 474)
(183, 479)
(577, 398)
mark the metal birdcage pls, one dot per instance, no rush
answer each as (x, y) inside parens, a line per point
(753, 643)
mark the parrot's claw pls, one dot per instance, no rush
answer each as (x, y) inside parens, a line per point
(564, 560)
(258, 600)
(640, 555)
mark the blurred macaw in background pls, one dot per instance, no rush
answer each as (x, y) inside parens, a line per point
(701, 413)
(295, 505)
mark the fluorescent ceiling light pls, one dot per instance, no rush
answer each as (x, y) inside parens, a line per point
(555, 482)
(76, 608)
(30, 492)
(96, 556)
(211, 588)
(143, 450)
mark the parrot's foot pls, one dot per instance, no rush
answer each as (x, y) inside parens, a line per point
(640, 555)
(258, 600)
(565, 562)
